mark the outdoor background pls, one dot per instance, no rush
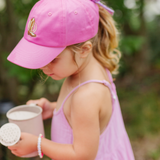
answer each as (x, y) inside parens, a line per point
(138, 83)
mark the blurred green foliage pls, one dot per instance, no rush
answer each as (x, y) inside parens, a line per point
(154, 39)
(155, 154)
(23, 75)
(131, 44)
(141, 112)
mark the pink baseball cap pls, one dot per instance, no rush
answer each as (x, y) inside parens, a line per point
(53, 25)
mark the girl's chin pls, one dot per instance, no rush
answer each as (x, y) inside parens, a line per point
(56, 77)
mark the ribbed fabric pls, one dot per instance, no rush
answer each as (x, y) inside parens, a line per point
(114, 143)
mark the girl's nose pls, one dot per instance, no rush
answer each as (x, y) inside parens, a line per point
(43, 67)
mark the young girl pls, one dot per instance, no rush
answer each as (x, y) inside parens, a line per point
(75, 40)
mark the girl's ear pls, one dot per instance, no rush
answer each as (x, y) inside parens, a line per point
(86, 48)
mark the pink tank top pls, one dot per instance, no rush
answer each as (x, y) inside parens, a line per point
(114, 143)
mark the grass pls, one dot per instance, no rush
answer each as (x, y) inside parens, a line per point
(154, 155)
(140, 111)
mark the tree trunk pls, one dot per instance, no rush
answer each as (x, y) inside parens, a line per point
(8, 32)
(141, 63)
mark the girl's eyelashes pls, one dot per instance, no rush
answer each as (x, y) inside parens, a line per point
(54, 60)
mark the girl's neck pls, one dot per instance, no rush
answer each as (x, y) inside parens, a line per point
(85, 72)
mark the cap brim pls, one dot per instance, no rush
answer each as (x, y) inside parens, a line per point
(33, 56)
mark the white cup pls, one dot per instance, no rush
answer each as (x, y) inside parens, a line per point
(29, 119)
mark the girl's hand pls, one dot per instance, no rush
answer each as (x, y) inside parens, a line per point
(26, 145)
(47, 107)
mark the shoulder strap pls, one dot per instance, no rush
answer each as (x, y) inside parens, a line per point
(109, 75)
(89, 81)
(111, 80)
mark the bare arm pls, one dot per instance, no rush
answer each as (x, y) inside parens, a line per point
(85, 125)
(86, 132)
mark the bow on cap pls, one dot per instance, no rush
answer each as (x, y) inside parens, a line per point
(107, 8)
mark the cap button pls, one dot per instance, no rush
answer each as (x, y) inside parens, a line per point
(75, 12)
(50, 13)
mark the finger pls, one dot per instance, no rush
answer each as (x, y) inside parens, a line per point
(23, 135)
(12, 147)
(32, 101)
(40, 102)
(15, 153)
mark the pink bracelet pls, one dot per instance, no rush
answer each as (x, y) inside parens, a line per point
(39, 146)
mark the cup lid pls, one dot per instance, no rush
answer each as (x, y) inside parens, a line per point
(9, 134)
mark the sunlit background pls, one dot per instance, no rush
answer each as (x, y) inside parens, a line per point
(138, 81)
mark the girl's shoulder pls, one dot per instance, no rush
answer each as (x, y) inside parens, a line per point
(90, 94)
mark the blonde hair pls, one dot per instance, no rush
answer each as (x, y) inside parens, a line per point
(105, 42)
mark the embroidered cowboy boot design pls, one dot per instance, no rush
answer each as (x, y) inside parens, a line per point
(31, 27)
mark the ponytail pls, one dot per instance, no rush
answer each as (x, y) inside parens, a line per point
(105, 42)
